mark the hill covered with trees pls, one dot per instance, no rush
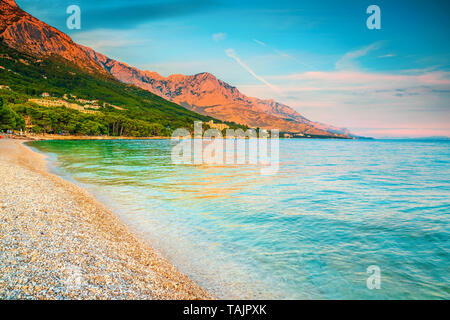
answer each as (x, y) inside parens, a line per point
(137, 112)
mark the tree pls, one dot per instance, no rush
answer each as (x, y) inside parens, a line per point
(7, 117)
(91, 128)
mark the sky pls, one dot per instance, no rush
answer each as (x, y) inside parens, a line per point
(318, 57)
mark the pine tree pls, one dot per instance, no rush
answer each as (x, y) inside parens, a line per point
(8, 118)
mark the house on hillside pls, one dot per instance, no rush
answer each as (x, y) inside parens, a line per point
(48, 102)
(218, 126)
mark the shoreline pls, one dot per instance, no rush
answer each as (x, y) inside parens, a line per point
(46, 137)
(58, 242)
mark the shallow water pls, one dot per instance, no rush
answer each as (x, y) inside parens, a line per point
(334, 208)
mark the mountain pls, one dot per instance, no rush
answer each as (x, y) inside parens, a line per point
(83, 98)
(207, 95)
(202, 93)
(25, 33)
(83, 103)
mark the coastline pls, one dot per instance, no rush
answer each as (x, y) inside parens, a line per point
(58, 242)
(38, 137)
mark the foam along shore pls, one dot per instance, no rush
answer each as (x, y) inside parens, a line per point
(57, 242)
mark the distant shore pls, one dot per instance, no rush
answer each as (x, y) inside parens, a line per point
(58, 242)
(39, 137)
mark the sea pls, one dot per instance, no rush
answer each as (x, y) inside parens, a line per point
(340, 219)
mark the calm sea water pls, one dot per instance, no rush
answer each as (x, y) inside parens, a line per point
(311, 231)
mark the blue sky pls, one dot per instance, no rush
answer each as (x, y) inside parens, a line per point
(315, 56)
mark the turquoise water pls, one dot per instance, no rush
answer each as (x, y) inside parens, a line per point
(310, 231)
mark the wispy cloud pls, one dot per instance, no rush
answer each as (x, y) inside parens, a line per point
(357, 78)
(349, 60)
(283, 54)
(232, 54)
(259, 42)
(219, 36)
(403, 103)
(104, 39)
(390, 55)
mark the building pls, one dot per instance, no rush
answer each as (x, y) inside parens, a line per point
(74, 106)
(87, 101)
(62, 103)
(94, 106)
(48, 102)
(218, 126)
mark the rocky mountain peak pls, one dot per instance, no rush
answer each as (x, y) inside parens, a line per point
(205, 76)
(153, 75)
(23, 32)
(10, 2)
(176, 77)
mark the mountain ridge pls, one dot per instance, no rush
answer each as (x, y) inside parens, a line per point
(202, 93)
(206, 94)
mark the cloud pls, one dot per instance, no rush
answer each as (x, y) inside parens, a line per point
(390, 55)
(283, 54)
(219, 36)
(104, 39)
(232, 54)
(358, 78)
(348, 61)
(368, 103)
(259, 42)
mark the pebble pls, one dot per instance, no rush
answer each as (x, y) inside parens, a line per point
(57, 242)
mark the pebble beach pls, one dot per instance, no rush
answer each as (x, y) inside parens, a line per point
(58, 242)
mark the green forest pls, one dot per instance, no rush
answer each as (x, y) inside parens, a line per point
(144, 114)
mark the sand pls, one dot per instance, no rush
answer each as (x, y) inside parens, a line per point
(58, 242)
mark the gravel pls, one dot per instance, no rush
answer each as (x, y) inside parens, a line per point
(57, 242)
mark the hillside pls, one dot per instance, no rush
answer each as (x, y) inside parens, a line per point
(22, 31)
(207, 95)
(138, 112)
